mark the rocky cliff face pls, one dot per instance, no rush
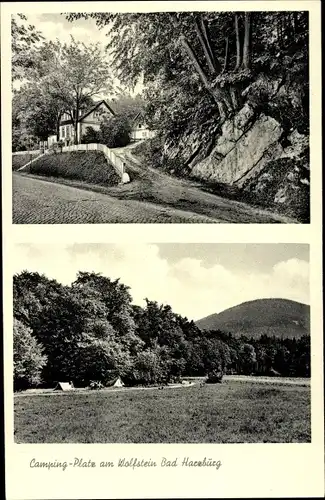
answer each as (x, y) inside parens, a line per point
(254, 153)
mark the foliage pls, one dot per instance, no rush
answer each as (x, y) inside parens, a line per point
(24, 42)
(91, 136)
(198, 65)
(91, 331)
(28, 357)
(115, 132)
(214, 377)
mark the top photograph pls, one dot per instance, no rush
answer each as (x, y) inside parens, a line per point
(164, 117)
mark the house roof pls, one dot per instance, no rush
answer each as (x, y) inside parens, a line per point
(95, 106)
(90, 110)
(140, 114)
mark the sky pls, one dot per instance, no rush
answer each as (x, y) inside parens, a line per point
(195, 279)
(55, 26)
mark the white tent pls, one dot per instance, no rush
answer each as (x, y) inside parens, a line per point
(118, 382)
(63, 386)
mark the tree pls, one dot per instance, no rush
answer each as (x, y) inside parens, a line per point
(24, 43)
(29, 358)
(247, 359)
(227, 51)
(76, 73)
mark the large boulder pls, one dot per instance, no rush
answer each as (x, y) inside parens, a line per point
(239, 148)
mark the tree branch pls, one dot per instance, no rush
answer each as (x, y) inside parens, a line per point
(195, 62)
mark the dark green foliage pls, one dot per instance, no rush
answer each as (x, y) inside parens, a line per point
(88, 166)
(91, 136)
(90, 331)
(115, 132)
(29, 358)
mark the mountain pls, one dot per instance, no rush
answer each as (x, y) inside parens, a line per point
(273, 317)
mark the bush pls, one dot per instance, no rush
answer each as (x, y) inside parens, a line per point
(214, 377)
(88, 166)
(115, 132)
(95, 385)
(91, 136)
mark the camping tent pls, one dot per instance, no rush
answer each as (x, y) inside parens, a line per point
(63, 386)
(118, 382)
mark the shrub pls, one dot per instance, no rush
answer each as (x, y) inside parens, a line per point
(214, 377)
(91, 136)
(115, 132)
(95, 385)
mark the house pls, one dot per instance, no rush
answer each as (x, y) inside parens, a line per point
(91, 117)
(140, 130)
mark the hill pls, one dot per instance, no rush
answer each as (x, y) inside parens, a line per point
(273, 317)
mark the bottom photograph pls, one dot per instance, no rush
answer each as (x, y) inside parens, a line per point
(161, 343)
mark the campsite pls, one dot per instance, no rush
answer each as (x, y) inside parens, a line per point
(231, 412)
(95, 362)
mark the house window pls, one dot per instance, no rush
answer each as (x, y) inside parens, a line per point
(140, 125)
(68, 131)
(63, 132)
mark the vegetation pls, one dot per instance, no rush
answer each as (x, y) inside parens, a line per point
(273, 317)
(88, 166)
(226, 413)
(91, 331)
(114, 132)
(236, 57)
(28, 357)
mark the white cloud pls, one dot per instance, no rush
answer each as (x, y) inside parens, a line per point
(187, 285)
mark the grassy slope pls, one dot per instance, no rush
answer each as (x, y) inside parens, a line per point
(21, 160)
(227, 413)
(279, 317)
(89, 166)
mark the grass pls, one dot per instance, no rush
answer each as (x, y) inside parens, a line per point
(88, 166)
(226, 413)
(21, 160)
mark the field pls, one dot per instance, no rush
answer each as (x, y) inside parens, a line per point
(231, 412)
(88, 166)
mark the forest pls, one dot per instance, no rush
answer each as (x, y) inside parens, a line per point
(91, 332)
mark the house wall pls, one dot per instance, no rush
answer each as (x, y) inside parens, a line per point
(94, 119)
(138, 134)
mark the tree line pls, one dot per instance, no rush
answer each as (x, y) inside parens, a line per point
(90, 331)
(200, 67)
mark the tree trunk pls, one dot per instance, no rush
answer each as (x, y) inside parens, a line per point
(76, 123)
(201, 33)
(247, 41)
(226, 60)
(238, 48)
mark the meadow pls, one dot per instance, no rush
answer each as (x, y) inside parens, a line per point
(231, 412)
